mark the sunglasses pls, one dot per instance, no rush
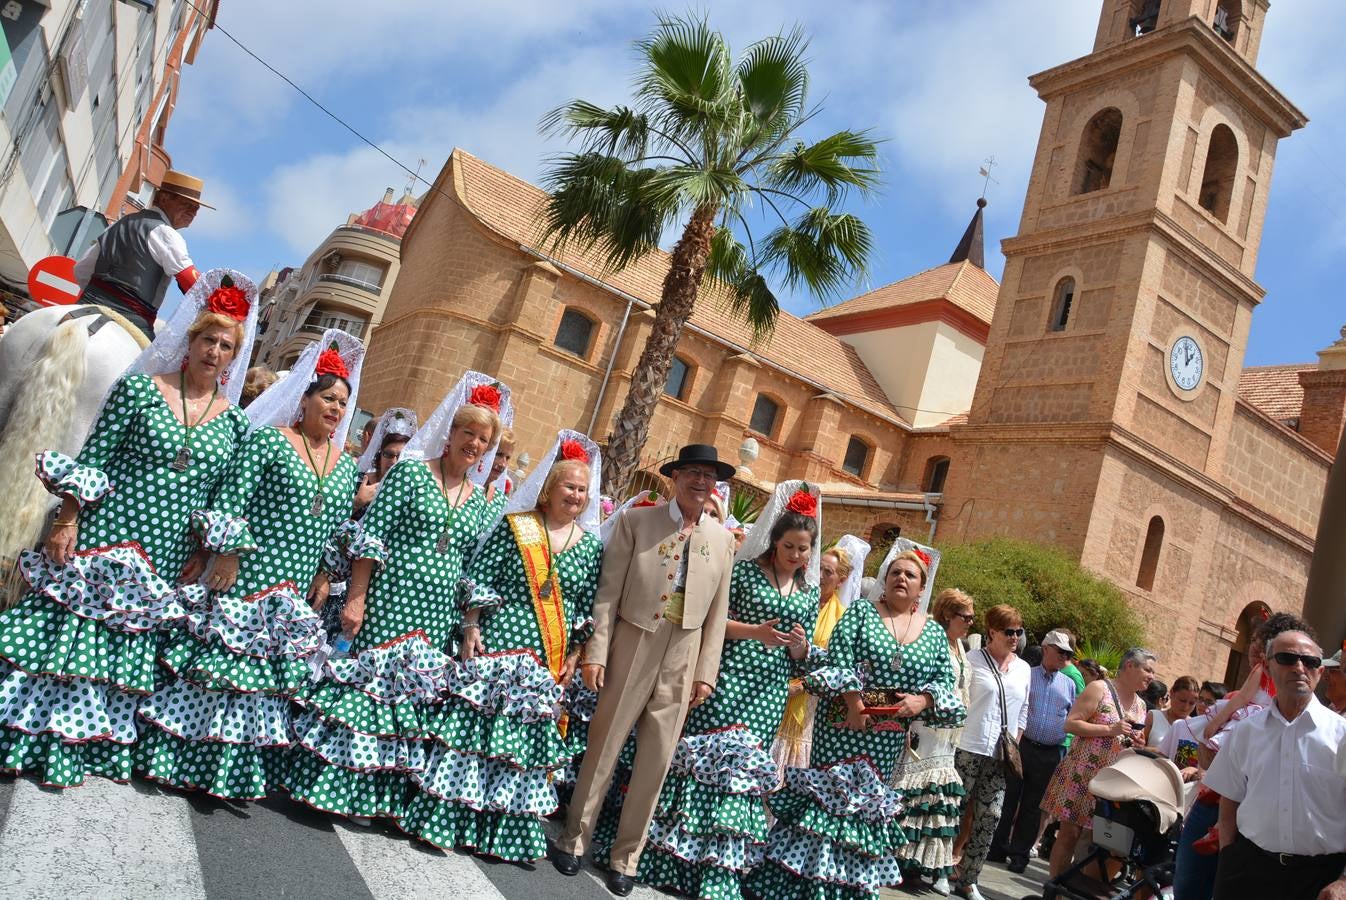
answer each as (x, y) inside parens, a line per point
(1014, 632)
(1289, 659)
(390, 454)
(966, 617)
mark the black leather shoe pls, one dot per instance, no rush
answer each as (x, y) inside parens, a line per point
(620, 884)
(1017, 864)
(565, 863)
(995, 856)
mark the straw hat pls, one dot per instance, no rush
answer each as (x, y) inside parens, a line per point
(184, 185)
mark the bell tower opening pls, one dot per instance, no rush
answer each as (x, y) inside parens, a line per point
(1217, 181)
(1098, 151)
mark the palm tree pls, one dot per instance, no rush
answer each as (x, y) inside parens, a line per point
(707, 138)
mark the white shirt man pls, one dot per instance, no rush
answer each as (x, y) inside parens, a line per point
(1283, 803)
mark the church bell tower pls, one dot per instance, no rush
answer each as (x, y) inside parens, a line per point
(1104, 403)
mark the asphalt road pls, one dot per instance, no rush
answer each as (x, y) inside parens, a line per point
(110, 841)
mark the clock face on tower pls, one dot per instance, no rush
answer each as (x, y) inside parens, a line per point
(1185, 363)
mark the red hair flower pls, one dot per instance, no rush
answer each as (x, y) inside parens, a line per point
(922, 556)
(228, 300)
(331, 363)
(804, 503)
(487, 395)
(651, 498)
(573, 449)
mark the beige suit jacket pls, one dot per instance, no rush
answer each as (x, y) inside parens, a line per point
(639, 566)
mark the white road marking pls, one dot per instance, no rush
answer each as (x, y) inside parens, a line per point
(393, 869)
(101, 840)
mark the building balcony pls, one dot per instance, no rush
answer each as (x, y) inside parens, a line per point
(362, 242)
(337, 292)
(351, 282)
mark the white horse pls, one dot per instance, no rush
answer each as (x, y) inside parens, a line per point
(56, 365)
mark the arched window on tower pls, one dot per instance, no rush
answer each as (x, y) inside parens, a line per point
(1217, 181)
(1149, 556)
(1098, 151)
(1226, 21)
(1063, 298)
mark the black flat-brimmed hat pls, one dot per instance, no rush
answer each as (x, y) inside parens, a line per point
(698, 455)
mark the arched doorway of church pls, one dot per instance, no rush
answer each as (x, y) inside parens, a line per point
(647, 481)
(1237, 669)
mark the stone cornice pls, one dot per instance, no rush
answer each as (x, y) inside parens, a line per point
(1191, 36)
(1111, 435)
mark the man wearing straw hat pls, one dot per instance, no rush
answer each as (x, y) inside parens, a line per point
(128, 268)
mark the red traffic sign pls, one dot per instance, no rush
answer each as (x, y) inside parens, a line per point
(51, 282)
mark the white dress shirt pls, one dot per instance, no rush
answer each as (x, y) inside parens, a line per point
(982, 728)
(166, 245)
(1283, 776)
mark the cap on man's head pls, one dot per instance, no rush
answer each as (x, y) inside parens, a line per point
(1059, 640)
(1333, 661)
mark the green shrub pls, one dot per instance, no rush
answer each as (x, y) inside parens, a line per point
(1049, 589)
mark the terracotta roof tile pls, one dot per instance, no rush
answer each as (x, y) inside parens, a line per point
(1275, 390)
(963, 284)
(510, 206)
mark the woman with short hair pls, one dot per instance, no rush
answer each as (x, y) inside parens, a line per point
(928, 775)
(78, 651)
(997, 712)
(1108, 716)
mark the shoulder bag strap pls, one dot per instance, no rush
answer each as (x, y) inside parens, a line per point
(1000, 686)
(1116, 701)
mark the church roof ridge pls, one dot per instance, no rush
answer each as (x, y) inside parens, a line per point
(508, 205)
(964, 284)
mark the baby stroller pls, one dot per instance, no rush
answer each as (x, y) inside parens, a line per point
(1136, 823)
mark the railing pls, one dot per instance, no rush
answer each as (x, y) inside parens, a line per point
(351, 282)
(372, 232)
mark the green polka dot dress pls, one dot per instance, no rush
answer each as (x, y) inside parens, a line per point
(222, 724)
(710, 823)
(838, 825)
(496, 741)
(361, 731)
(78, 651)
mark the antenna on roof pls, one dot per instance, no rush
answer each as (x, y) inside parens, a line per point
(985, 171)
(415, 177)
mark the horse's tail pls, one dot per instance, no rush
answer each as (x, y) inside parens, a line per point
(39, 419)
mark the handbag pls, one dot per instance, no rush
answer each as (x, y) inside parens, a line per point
(1006, 748)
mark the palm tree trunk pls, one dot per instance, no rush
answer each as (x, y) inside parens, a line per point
(681, 285)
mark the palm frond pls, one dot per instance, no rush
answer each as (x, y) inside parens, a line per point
(840, 162)
(619, 131)
(599, 201)
(693, 186)
(750, 297)
(821, 250)
(686, 77)
(774, 79)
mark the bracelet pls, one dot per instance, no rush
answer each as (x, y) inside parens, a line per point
(59, 524)
(473, 625)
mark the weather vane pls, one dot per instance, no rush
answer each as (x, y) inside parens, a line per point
(985, 171)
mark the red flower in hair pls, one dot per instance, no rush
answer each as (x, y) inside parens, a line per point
(922, 556)
(331, 363)
(573, 449)
(651, 498)
(487, 395)
(804, 503)
(228, 300)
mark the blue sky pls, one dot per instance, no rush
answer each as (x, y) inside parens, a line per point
(944, 84)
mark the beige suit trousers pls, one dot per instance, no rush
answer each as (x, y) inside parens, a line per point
(647, 683)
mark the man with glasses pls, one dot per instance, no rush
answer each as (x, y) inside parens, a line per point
(1051, 693)
(659, 621)
(1282, 827)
